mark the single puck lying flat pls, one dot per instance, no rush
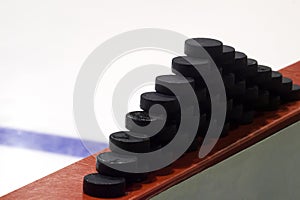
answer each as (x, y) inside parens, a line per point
(237, 112)
(135, 121)
(285, 86)
(294, 94)
(264, 74)
(194, 47)
(129, 141)
(115, 165)
(100, 186)
(240, 61)
(263, 99)
(186, 66)
(201, 94)
(238, 89)
(247, 117)
(170, 103)
(274, 83)
(251, 70)
(251, 94)
(274, 103)
(227, 56)
(139, 118)
(228, 79)
(173, 84)
(225, 129)
(239, 66)
(195, 145)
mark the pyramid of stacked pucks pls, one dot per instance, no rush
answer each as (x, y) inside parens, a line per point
(250, 88)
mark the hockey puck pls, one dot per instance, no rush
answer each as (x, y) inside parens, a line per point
(194, 47)
(129, 141)
(264, 74)
(274, 103)
(186, 66)
(225, 129)
(101, 186)
(139, 118)
(171, 84)
(238, 89)
(227, 56)
(247, 117)
(285, 86)
(251, 94)
(228, 79)
(170, 103)
(107, 162)
(237, 112)
(263, 99)
(251, 70)
(294, 94)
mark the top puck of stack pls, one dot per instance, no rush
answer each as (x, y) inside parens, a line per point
(101, 186)
(129, 141)
(194, 47)
(240, 64)
(227, 57)
(187, 66)
(251, 70)
(170, 103)
(171, 84)
(294, 94)
(285, 86)
(264, 74)
(274, 83)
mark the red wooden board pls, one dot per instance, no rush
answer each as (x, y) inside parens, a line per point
(67, 182)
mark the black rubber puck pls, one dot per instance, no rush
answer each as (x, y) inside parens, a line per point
(203, 125)
(251, 70)
(237, 112)
(225, 129)
(201, 94)
(186, 66)
(238, 89)
(107, 162)
(264, 74)
(195, 145)
(170, 103)
(227, 56)
(135, 121)
(171, 84)
(228, 79)
(263, 99)
(129, 141)
(251, 94)
(240, 61)
(140, 118)
(275, 83)
(247, 117)
(101, 186)
(294, 94)
(194, 47)
(205, 106)
(274, 103)
(285, 86)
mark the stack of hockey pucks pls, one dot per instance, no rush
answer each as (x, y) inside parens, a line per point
(250, 89)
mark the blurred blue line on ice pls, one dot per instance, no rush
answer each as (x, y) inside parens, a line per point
(49, 143)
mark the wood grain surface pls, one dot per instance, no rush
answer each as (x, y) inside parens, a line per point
(67, 182)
